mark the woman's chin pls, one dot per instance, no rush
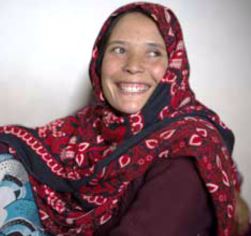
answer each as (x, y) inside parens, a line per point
(129, 109)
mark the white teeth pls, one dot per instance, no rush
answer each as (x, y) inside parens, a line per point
(133, 88)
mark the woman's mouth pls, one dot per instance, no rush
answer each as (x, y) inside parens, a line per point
(133, 88)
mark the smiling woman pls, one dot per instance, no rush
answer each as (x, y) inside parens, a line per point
(134, 62)
(147, 158)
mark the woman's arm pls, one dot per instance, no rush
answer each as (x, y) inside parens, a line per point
(172, 201)
(242, 215)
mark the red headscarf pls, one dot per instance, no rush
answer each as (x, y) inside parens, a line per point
(80, 166)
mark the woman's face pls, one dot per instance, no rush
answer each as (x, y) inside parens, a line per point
(134, 62)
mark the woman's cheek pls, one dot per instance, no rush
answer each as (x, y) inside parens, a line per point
(112, 65)
(158, 72)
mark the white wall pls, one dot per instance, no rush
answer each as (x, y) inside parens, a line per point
(45, 47)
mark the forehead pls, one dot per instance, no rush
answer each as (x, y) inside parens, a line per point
(135, 25)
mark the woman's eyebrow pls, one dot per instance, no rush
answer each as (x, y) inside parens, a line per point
(116, 42)
(156, 45)
(150, 44)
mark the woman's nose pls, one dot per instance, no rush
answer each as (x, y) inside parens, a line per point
(134, 64)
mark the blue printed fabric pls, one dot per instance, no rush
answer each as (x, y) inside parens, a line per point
(18, 211)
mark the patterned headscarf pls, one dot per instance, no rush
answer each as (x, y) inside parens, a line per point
(80, 166)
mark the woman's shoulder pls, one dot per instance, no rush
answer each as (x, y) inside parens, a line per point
(170, 195)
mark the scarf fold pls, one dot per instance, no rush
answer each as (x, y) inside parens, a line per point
(81, 165)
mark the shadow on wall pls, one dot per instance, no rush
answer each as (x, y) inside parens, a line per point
(83, 94)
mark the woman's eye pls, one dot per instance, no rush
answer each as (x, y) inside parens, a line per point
(154, 53)
(118, 50)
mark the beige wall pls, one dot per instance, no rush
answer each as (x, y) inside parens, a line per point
(45, 48)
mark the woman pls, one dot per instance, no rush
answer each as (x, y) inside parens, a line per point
(146, 159)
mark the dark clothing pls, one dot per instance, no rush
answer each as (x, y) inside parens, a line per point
(171, 200)
(3, 148)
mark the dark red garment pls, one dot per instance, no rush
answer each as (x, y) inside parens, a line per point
(81, 166)
(3, 148)
(169, 200)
